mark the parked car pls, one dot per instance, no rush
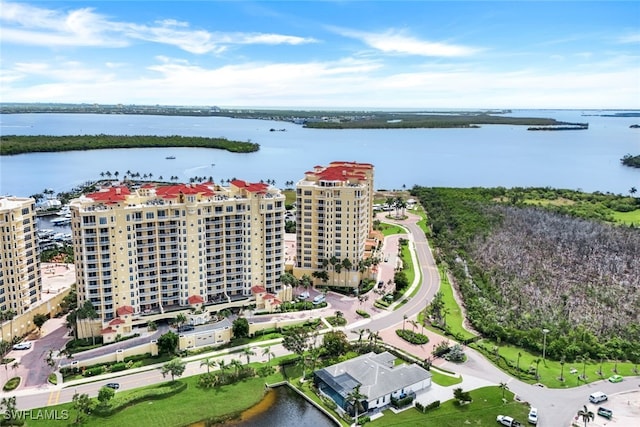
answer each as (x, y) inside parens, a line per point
(380, 284)
(533, 416)
(507, 421)
(114, 386)
(615, 378)
(303, 296)
(185, 328)
(319, 299)
(604, 412)
(22, 346)
(597, 397)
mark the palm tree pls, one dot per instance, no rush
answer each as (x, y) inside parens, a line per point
(585, 359)
(562, 369)
(354, 398)
(223, 366)
(235, 363)
(305, 281)
(267, 352)
(346, 264)
(334, 262)
(360, 333)
(537, 362)
(586, 415)
(180, 320)
(518, 364)
(248, 353)
(209, 363)
(504, 387)
(414, 324)
(404, 321)
(374, 336)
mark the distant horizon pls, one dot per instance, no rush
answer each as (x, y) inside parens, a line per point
(323, 55)
(336, 109)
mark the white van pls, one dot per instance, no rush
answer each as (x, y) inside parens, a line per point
(597, 397)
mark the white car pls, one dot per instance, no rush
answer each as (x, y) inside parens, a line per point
(533, 416)
(22, 346)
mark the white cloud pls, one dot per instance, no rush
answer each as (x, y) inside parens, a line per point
(629, 38)
(395, 42)
(30, 25)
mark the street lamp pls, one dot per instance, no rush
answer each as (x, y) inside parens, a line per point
(544, 345)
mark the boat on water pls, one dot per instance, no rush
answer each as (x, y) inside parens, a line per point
(61, 221)
(170, 157)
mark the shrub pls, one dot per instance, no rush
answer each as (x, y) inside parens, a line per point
(365, 419)
(433, 405)
(117, 367)
(419, 407)
(93, 371)
(455, 354)
(53, 379)
(412, 337)
(363, 313)
(12, 384)
(402, 402)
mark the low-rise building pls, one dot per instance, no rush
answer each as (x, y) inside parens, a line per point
(379, 379)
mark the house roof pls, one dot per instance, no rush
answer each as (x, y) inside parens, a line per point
(375, 373)
(125, 309)
(258, 187)
(116, 322)
(342, 171)
(173, 191)
(110, 195)
(107, 331)
(195, 299)
(258, 289)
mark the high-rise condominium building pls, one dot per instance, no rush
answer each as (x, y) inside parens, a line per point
(333, 220)
(20, 281)
(159, 248)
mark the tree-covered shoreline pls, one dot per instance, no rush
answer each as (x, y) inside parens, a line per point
(15, 144)
(632, 161)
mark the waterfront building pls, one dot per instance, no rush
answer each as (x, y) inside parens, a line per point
(147, 253)
(20, 280)
(333, 221)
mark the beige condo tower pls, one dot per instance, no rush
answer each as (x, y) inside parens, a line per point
(333, 222)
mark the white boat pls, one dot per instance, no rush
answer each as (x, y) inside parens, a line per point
(61, 221)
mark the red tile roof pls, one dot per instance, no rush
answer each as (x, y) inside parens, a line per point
(125, 309)
(257, 187)
(110, 195)
(342, 171)
(173, 191)
(258, 289)
(195, 299)
(116, 322)
(107, 331)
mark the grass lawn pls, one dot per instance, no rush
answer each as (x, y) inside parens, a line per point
(189, 406)
(455, 318)
(390, 229)
(444, 380)
(482, 411)
(549, 371)
(629, 218)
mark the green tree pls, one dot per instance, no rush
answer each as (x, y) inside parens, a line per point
(297, 340)
(209, 363)
(8, 407)
(335, 343)
(355, 400)
(39, 320)
(82, 404)
(180, 320)
(168, 342)
(248, 353)
(267, 352)
(105, 395)
(175, 367)
(346, 265)
(504, 387)
(461, 396)
(586, 415)
(240, 328)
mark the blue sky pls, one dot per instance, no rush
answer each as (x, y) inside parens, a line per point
(331, 54)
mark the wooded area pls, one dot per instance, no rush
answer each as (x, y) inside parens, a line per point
(13, 144)
(522, 268)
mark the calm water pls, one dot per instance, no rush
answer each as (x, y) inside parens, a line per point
(281, 407)
(490, 156)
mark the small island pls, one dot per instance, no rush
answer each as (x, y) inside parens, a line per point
(629, 160)
(14, 144)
